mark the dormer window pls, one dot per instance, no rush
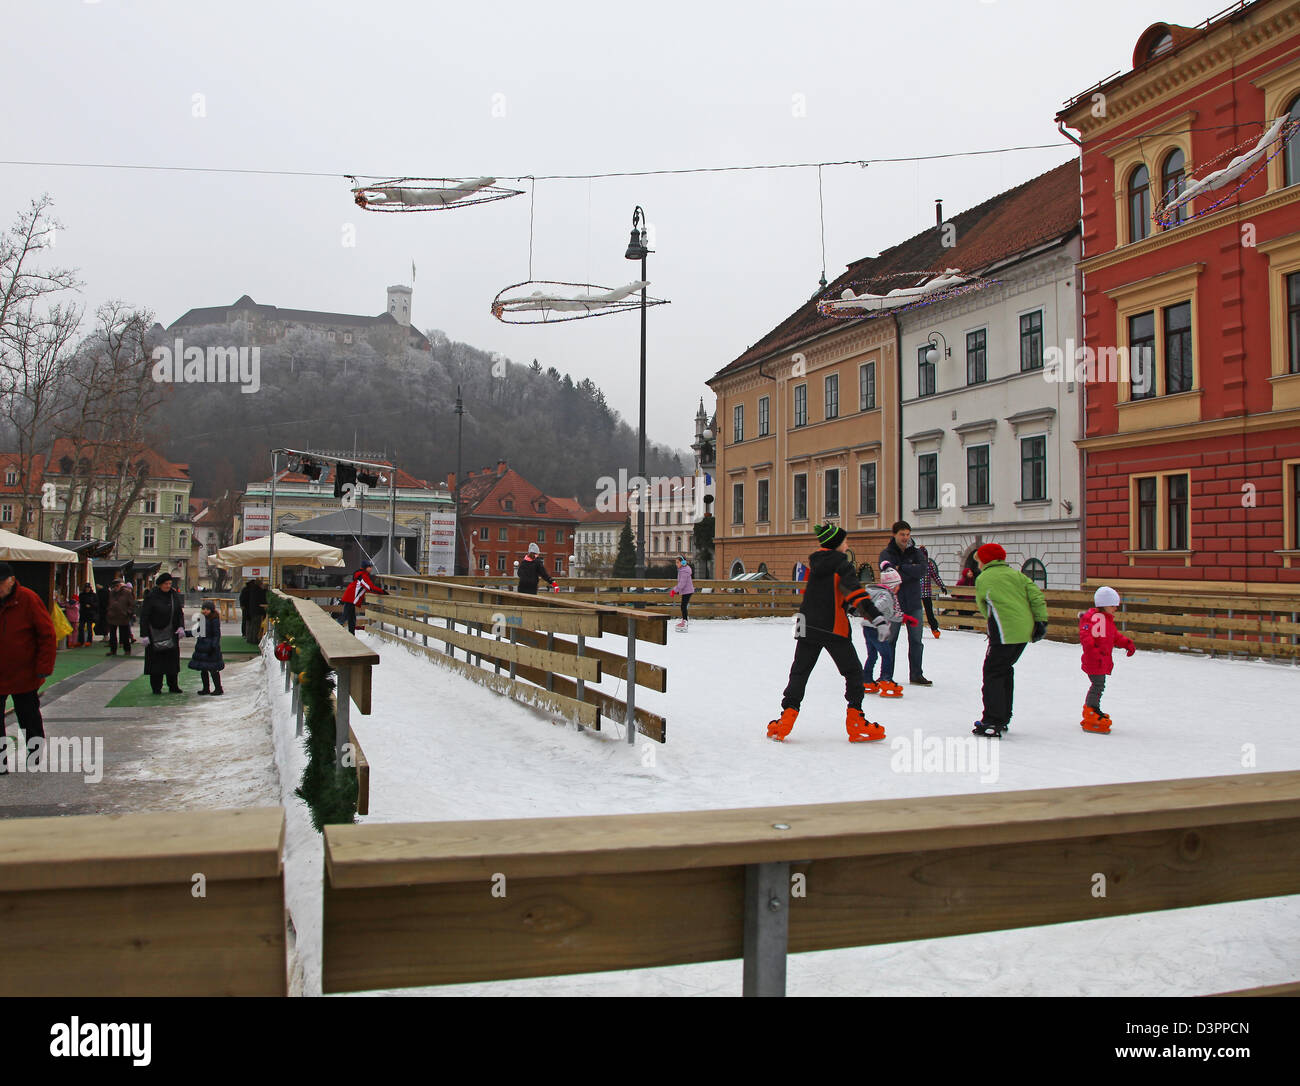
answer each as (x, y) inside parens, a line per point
(508, 505)
(541, 507)
(11, 477)
(65, 465)
(1160, 46)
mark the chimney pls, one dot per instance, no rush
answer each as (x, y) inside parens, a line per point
(451, 481)
(501, 468)
(486, 470)
(938, 212)
(469, 474)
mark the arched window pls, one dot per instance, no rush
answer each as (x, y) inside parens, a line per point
(762, 567)
(737, 568)
(1173, 179)
(1291, 160)
(1035, 571)
(1139, 204)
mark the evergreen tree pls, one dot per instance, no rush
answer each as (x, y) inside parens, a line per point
(625, 563)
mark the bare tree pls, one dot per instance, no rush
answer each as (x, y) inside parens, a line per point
(34, 344)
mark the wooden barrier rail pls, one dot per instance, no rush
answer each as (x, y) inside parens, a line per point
(352, 663)
(1250, 627)
(454, 902)
(183, 903)
(518, 634)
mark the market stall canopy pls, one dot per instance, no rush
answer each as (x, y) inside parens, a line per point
(290, 550)
(389, 564)
(18, 548)
(350, 522)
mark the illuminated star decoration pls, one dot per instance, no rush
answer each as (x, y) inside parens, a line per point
(555, 303)
(924, 288)
(429, 193)
(1241, 169)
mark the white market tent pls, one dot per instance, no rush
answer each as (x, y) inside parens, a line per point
(19, 548)
(290, 550)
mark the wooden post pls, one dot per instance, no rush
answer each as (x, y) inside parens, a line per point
(630, 720)
(342, 690)
(550, 647)
(512, 663)
(582, 683)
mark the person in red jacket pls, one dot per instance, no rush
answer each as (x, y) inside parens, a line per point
(1099, 637)
(27, 649)
(355, 596)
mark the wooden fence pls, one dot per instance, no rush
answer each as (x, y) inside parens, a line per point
(178, 904)
(1267, 628)
(352, 663)
(452, 902)
(525, 641)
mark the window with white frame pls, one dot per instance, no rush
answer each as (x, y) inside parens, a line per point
(832, 492)
(147, 539)
(1033, 468)
(866, 386)
(833, 396)
(738, 423)
(764, 404)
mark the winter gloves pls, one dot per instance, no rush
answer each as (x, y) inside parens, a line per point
(1040, 631)
(1130, 650)
(908, 620)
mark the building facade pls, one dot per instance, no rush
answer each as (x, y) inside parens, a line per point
(501, 513)
(989, 431)
(1192, 407)
(806, 432)
(269, 324)
(298, 499)
(596, 543)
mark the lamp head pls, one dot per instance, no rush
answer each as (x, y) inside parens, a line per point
(636, 247)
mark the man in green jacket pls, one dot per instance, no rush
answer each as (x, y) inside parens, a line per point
(1017, 614)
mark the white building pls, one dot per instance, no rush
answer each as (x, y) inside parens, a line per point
(988, 432)
(596, 543)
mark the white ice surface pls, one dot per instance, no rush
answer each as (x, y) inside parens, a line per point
(443, 748)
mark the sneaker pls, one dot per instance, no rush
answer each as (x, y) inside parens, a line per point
(890, 689)
(935, 632)
(860, 729)
(871, 687)
(920, 680)
(202, 693)
(779, 729)
(991, 731)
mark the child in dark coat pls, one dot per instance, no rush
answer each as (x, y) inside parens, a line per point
(206, 659)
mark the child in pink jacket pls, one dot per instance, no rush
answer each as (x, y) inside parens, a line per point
(1099, 637)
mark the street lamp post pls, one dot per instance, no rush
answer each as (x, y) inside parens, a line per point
(455, 498)
(636, 250)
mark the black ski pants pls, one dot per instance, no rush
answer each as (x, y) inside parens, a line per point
(999, 678)
(806, 654)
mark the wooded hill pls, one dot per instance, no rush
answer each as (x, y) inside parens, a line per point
(317, 394)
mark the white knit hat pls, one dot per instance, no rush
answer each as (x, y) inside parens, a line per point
(890, 577)
(532, 549)
(1106, 596)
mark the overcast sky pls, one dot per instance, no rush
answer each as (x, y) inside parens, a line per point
(416, 88)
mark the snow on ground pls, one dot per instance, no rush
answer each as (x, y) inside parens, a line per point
(443, 748)
(213, 752)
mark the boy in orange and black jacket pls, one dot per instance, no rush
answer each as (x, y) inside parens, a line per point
(832, 589)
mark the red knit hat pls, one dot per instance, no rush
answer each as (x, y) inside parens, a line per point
(991, 552)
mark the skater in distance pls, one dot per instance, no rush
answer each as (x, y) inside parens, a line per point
(355, 595)
(903, 554)
(531, 570)
(685, 589)
(831, 591)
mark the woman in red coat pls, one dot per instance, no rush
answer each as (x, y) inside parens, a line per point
(27, 649)
(1099, 637)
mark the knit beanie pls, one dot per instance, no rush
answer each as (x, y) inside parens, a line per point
(829, 536)
(1106, 596)
(991, 552)
(6, 570)
(532, 549)
(890, 577)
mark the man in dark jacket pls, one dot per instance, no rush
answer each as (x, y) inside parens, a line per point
(162, 625)
(119, 612)
(27, 649)
(531, 570)
(903, 555)
(823, 623)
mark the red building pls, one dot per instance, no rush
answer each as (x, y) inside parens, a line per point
(1192, 328)
(501, 512)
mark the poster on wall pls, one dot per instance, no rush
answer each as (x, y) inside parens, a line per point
(442, 544)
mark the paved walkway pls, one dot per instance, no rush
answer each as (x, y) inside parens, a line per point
(180, 752)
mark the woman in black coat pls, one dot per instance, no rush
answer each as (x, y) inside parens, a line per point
(206, 659)
(162, 620)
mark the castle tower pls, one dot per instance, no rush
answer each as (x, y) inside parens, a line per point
(399, 305)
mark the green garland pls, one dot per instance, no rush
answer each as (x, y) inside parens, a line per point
(329, 791)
